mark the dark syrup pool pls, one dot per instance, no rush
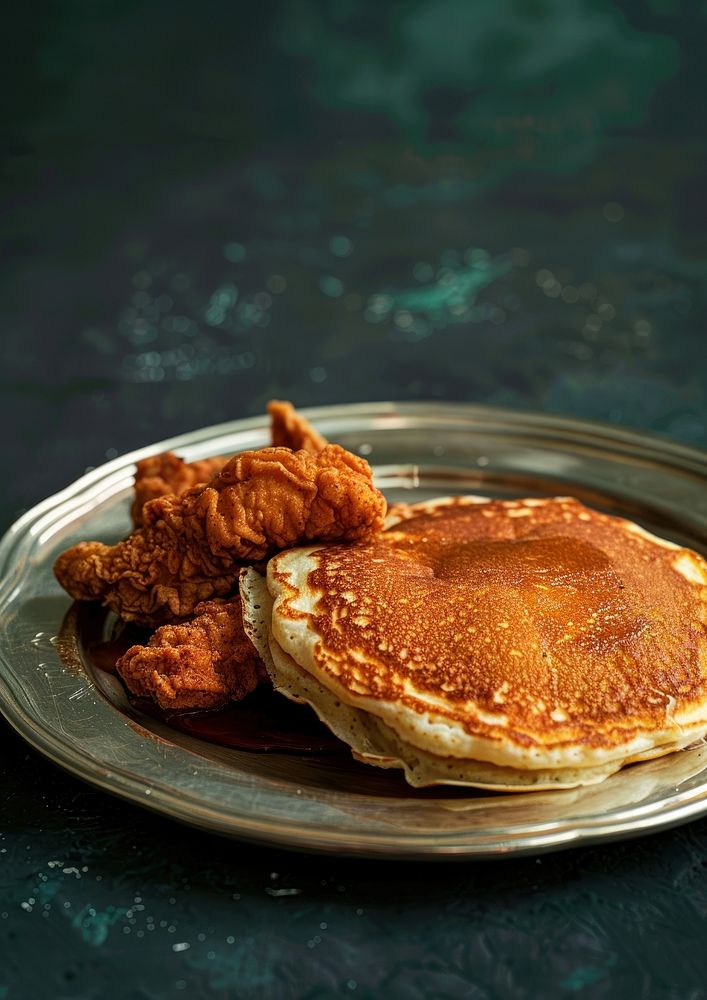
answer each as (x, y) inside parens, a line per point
(263, 722)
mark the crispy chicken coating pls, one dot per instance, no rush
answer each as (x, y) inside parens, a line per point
(158, 475)
(190, 548)
(165, 473)
(289, 429)
(203, 663)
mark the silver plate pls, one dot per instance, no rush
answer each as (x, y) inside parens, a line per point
(79, 717)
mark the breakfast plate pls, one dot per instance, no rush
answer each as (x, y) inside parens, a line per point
(65, 705)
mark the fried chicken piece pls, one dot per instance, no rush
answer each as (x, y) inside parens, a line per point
(289, 429)
(203, 663)
(190, 548)
(158, 475)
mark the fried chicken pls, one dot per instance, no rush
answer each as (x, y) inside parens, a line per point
(190, 548)
(203, 663)
(158, 475)
(165, 473)
(289, 429)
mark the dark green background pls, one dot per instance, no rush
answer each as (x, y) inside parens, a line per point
(205, 205)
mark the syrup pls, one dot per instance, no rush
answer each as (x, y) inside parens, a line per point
(263, 722)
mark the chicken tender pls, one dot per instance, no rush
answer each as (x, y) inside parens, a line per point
(159, 475)
(165, 473)
(190, 548)
(203, 663)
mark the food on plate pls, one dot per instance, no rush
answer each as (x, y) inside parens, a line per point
(204, 662)
(190, 548)
(512, 645)
(165, 473)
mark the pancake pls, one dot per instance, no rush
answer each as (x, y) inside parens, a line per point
(504, 644)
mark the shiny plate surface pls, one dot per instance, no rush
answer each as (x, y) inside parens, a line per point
(79, 717)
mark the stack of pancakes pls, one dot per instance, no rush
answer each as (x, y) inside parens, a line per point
(512, 645)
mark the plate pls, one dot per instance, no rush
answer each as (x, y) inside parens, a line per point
(79, 717)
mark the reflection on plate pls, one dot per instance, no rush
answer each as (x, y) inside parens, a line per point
(79, 716)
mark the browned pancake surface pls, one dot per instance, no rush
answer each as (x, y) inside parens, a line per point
(572, 625)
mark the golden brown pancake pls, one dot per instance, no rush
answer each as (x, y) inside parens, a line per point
(537, 636)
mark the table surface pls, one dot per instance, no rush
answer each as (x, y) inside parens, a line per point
(335, 202)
